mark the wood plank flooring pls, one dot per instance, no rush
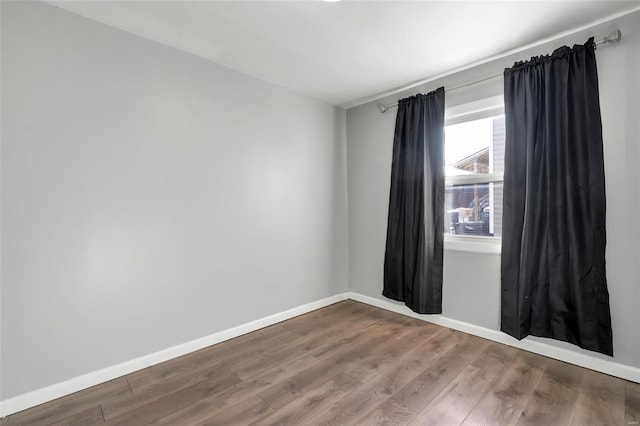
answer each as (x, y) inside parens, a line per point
(351, 364)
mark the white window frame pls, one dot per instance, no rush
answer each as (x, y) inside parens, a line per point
(477, 110)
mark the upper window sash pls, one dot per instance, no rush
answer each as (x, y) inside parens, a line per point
(483, 108)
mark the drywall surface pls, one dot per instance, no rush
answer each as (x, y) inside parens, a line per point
(150, 197)
(471, 290)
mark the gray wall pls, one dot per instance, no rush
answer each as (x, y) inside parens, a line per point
(471, 290)
(150, 197)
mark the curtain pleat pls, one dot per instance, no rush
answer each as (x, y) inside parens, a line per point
(553, 245)
(415, 231)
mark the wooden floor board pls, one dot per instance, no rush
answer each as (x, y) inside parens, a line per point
(495, 358)
(90, 416)
(174, 401)
(312, 403)
(389, 413)
(384, 358)
(505, 401)
(632, 403)
(601, 400)
(393, 375)
(345, 364)
(461, 396)
(555, 395)
(70, 405)
(343, 357)
(204, 409)
(429, 384)
(125, 403)
(244, 413)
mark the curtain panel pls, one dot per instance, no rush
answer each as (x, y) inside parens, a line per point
(553, 280)
(415, 231)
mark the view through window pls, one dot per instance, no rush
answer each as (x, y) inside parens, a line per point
(474, 158)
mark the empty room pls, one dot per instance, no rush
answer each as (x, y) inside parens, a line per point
(320, 212)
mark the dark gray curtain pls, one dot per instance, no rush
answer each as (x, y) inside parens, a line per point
(415, 231)
(553, 244)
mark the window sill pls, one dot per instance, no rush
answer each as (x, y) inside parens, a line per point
(473, 244)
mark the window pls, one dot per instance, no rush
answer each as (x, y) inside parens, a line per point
(474, 159)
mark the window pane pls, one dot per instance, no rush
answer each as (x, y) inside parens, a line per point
(475, 147)
(473, 209)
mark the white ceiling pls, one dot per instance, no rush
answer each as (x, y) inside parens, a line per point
(349, 51)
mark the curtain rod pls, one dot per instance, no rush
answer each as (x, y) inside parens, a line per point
(613, 37)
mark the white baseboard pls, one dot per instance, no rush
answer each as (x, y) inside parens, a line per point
(623, 371)
(49, 393)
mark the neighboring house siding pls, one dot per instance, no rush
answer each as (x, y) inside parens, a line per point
(498, 161)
